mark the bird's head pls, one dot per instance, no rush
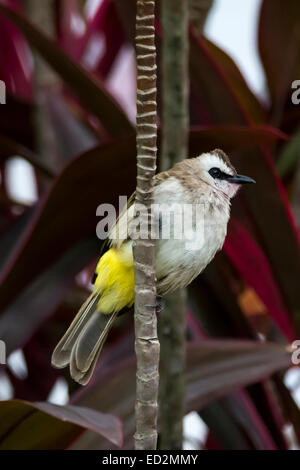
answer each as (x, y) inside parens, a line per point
(216, 170)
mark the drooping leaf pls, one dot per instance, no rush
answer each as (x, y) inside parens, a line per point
(114, 38)
(68, 215)
(94, 24)
(92, 93)
(213, 297)
(266, 207)
(10, 148)
(289, 156)
(217, 367)
(42, 296)
(254, 268)
(215, 304)
(231, 138)
(12, 235)
(214, 368)
(72, 136)
(291, 411)
(71, 28)
(279, 47)
(16, 121)
(223, 427)
(43, 426)
(236, 424)
(105, 172)
(242, 408)
(212, 89)
(127, 13)
(16, 66)
(238, 83)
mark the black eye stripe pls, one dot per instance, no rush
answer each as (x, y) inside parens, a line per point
(218, 174)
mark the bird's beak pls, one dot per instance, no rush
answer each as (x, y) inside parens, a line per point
(240, 179)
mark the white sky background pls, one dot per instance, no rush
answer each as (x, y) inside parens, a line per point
(233, 25)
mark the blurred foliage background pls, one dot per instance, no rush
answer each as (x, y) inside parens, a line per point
(68, 116)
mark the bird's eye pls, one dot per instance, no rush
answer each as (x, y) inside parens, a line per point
(215, 172)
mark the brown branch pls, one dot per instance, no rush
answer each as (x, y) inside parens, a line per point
(146, 342)
(174, 17)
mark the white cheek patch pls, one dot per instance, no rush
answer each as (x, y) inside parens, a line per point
(230, 189)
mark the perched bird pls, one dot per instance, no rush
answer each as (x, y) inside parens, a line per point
(210, 181)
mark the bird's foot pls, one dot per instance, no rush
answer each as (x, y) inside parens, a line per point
(159, 305)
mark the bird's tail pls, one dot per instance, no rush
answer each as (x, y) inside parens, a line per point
(81, 345)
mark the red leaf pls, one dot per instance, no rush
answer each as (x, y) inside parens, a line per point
(116, 159)
(72, 28)
(266, 207)
(44, 426)
(279, 46)
(214, 369)
(114, 39)
(232, 138)
(91, 92)
(237, 83)
(254, 268)
(16, 63)
(95, 23)
(67, 215)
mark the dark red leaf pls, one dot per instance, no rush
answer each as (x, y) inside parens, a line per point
(16, 121)
(269, 207)
(95, 24)
(254, 268)
(16, 65)
(279, 47)
(231, 138)
(41, 297)
(71, 28)
(238, 83)
(10, 148)
(43, 426)
(114, 39)
(91, 92)
(214, 368)
(116, 160)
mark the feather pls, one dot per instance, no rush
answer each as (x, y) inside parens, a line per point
(62, 353)
(88, 347)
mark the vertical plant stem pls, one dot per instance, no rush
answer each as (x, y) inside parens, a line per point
(174, 15)
(172, 335)
(146, 340)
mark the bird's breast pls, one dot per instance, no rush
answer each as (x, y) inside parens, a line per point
(187, 245)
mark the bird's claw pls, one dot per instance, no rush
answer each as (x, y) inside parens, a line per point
(159, 306)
